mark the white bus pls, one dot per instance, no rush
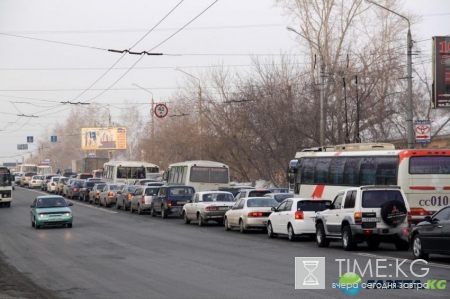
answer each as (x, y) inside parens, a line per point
(27, 168)
(202, 175)
(128, 172)
(44, 169)
(423, 174)
(6, 186)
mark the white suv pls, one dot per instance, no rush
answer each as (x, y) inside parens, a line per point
(369, 214)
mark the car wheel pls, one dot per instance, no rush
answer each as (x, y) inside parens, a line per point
(227, 227)
(321, 238)
(347, 239)
(401, 245)
(270, 233)
(37, 226)
(8, 204)
(69, 225)
(200, 220)
(124, 206)
(291, 233)
(117, 205)
(32, 223)
(163, 213)
(186, 220)
(139, 210)
(152, 212)
(241, 227)
(373, 243)
(417, 248)
(131, 208)
(220, 222)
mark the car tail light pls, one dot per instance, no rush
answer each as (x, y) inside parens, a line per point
(419, 212)
(211, 208)
(409, 218)
(299, 215)
(129, 196)
(358, 218)
(87, 191)
(143, 199)
(169, 202)
(75, 189)
(367, 231)
(97, 194)
(110, 194)
(255, 214)
(53, 184)
(33, 182)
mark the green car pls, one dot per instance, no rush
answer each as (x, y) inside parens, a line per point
(51, 210)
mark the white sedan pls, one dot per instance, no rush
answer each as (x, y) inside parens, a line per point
(295, 216)
(208, 205)
(35, 182)
(249, 212)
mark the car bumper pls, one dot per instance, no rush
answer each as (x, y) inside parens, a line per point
(6, 199)
(214, 215)
(401, 231)
(34, 185)
(304, 227)
(54, 221)
(260, 222)
(176, 210)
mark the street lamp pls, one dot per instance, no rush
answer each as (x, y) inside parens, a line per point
(199, 109)
(322, 89)
(409, 117)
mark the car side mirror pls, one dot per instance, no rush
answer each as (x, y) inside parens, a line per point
(332, 207)
(273, 209)
(428, 219)
(119, 192)
(70, 204)
(31, 206)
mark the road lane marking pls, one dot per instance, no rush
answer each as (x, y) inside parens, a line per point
(437, 265)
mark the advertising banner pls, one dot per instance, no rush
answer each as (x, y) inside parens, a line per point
(109, 138)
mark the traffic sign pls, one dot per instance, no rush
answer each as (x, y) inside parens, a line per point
(422, 128)
(53, 138)
(47, 161)
(30, 139)
(161, 110)
(22, 146)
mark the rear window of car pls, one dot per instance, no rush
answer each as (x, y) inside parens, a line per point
(281, 197)
(30, 173)
(114, 187)
(151, 191)
(180, 191)
(258, 193)
(85, 176)
(208, 197)
(261, 202)
(376, 198)
(313, 205)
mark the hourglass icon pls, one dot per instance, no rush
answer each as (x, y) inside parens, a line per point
(310, 279)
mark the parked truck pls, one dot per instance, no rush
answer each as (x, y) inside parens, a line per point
(90, 164)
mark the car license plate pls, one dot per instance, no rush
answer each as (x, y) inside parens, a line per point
(223, 208)
(372, 219)
(55, 219)
(181, 202)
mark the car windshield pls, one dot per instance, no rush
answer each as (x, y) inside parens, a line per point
(313, 205)
(51, 202)
(132, 188)
(281, 197)
(64, 180)
(376, 198)
(114, 187)
(208, 197)
(258, 193)
(261, 202)
(90, 184)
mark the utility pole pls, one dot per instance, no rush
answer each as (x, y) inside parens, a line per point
(322, 108)
(110, 153)
(152, 119)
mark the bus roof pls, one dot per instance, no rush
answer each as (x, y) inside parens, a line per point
(199, 163)
(130, 164)
(403, 152)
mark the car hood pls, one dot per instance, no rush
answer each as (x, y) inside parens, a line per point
(53, 210)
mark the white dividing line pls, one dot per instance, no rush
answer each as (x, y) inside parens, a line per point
(407, 260)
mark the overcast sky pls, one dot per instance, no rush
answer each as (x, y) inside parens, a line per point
(36, 76)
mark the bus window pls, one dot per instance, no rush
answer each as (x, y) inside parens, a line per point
(351, 171)
(368, 170)
(321, 172)
(200, 174)
(429, 165)
(219, 175)
(337, 171)
(387, 171)
(309, 166)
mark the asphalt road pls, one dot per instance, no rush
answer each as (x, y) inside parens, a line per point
(116, 254)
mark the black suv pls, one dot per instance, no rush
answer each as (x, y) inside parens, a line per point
(170, 200)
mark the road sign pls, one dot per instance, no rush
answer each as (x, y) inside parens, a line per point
(47, 161)
(30, 139)
(91, 155)
(22, 146)
(422, 128)
(161, 110)
(53, 138)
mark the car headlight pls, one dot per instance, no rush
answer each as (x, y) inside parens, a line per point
(66, 214)
(43, 215)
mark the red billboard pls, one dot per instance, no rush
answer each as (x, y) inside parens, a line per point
(441, 72)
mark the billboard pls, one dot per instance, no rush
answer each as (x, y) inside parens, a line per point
(109, 138)
(441, 72)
